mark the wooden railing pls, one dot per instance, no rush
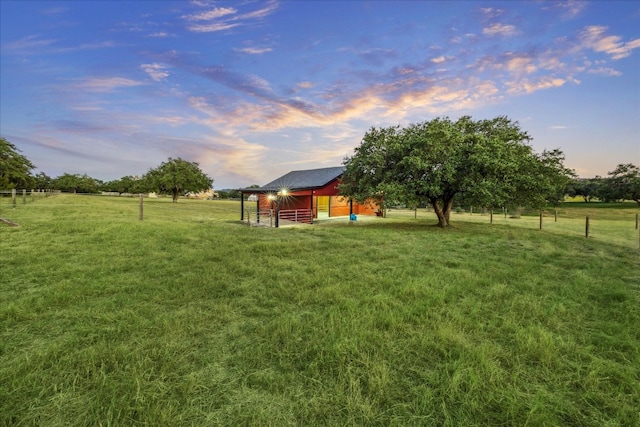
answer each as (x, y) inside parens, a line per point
(296, 215)
(267, 217)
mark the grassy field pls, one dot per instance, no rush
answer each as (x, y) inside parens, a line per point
(190, 318)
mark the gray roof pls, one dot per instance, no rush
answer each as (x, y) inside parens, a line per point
(301, 180)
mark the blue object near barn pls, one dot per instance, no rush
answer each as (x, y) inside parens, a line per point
(353, 217)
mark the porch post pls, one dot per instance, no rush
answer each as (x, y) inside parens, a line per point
(350, 207)
(241, 206)
(258, 210)
(311, 206)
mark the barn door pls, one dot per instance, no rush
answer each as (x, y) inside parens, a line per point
(322, 203)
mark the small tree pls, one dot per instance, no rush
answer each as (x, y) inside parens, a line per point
(15, 169)
(176, 176)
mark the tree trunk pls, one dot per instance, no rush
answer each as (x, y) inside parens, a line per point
(448, 204)
(443, 212)
(443, 216)
(175, 195)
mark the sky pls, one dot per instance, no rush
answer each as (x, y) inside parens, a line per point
(254, 89)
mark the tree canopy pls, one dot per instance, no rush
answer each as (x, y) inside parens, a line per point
(126, 184)
(76, 183)
(487, 161)
(15, 169)
(623, 183)
(176, 176)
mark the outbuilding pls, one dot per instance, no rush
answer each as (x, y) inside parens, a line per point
(305, 195)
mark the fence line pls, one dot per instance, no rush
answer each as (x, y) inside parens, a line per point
(595, 226)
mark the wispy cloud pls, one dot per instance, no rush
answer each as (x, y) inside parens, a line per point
(209, 15)
(568, 8)
(54, 10)
(107, 84)
(519, 64)
(160, 35)
(594, 37)
(491, 12)
(85, 46)
(255, 50)
(497, 29)
(28, 43)
(213, 27)
(157, 72)
(225, 18)
(605, 71)
(533, 84)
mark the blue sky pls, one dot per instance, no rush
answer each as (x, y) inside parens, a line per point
(254, 89)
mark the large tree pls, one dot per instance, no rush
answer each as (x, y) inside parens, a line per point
(15, 169)
(176, 176)
(489, 161)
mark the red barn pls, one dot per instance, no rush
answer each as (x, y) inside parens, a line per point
(303, 196)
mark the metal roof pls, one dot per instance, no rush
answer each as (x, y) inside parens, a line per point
(300, 180)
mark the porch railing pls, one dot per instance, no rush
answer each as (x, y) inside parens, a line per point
(267, 216)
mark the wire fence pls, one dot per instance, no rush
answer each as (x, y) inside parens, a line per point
(24, 196)
(619, 225)
(616, 225)
(104, 207)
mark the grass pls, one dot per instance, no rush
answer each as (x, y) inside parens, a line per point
(190, 318)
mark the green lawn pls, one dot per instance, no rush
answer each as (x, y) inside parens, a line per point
(191, 318)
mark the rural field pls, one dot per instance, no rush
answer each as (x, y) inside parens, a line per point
(191, 318)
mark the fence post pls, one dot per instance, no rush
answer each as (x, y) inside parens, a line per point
(491, 216)
(540, 219)
(586, 228)
(636, 221)
(555, 214)
(141, 208)
(13, 197)
(24, 196)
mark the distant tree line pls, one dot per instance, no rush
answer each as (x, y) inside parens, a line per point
(623, 183)
(174, 177)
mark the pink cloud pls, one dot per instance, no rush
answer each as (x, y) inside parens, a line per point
(594, 37)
